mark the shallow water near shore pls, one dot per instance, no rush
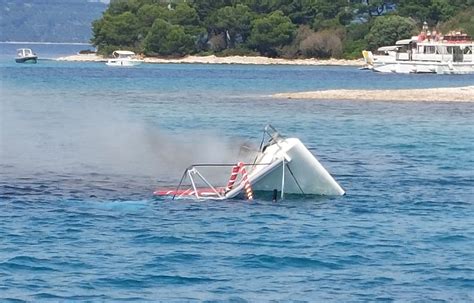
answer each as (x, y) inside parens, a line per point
(83, 146)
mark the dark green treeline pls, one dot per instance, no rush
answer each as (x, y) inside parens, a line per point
(277, 28)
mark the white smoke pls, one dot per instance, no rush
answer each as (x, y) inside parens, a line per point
(63, 135)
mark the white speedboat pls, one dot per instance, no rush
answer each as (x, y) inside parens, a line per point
(282, 165)
(25, 55)
(426, 53)
(123, 58)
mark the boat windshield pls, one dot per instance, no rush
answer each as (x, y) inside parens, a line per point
(23, 52)
(123, 54)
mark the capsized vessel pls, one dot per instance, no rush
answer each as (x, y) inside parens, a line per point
(281, 165)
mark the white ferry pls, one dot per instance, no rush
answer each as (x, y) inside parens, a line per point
(425, 53)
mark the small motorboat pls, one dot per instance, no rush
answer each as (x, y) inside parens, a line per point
(281, 165)
(25, 55)
(123, 58)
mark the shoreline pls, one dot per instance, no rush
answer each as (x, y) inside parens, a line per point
(44, 43)
(442, 94)
(212, 59)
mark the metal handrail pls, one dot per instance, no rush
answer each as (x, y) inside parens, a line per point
(192, 169)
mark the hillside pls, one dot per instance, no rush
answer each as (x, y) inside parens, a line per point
(48, 20)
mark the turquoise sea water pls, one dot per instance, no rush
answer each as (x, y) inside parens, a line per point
(84, 145)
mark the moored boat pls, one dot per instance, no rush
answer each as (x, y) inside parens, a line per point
(25, 55)
(123, 58)
(429, 52)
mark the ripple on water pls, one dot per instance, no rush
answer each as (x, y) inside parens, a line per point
(81, 156)
(27, 263)
(277, 263)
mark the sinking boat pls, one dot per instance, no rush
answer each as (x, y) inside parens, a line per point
(281, 165)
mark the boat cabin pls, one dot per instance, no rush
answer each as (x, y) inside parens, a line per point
(123, 54)
(24, 52)
(123, 58)
(438, 50)
(25, 55)
(429, 52)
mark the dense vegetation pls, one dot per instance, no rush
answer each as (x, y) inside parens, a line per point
(284, 28)
(48, 20)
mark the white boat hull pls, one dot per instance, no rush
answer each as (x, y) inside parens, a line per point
(451, 54)
(426, 67)
(302, 173)
(123, 63)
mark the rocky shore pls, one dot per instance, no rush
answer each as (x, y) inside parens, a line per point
(445, 94)
(225, 60)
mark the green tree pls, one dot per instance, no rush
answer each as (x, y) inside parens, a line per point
(148, 13)
(167, 39)
(118, 7)
(464, 21)
(206, 7)
(270, 32)
(440, 10)
(301, 12)
(332, 14)
(260, 6)
(386, 30)
(119, 30)
(432, 11)
(185, 15)
(268, 26)
(416, 9)
(355, 41)
(234, 21)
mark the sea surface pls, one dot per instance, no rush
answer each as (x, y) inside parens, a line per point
(83, 146)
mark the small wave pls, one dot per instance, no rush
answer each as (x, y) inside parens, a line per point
(450, 238)
(462, 282)
(139, 282)
(145, 239)
(168, 279)
(269, 216)
(178, 257)
(126, 205)
(51, 296)
(18, 267)
(274, 262)
(37, 264)
(354, 260)
(12, 300)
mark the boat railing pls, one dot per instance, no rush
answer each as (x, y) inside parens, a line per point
(272, 132)
(272, 136)
(201, 187)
